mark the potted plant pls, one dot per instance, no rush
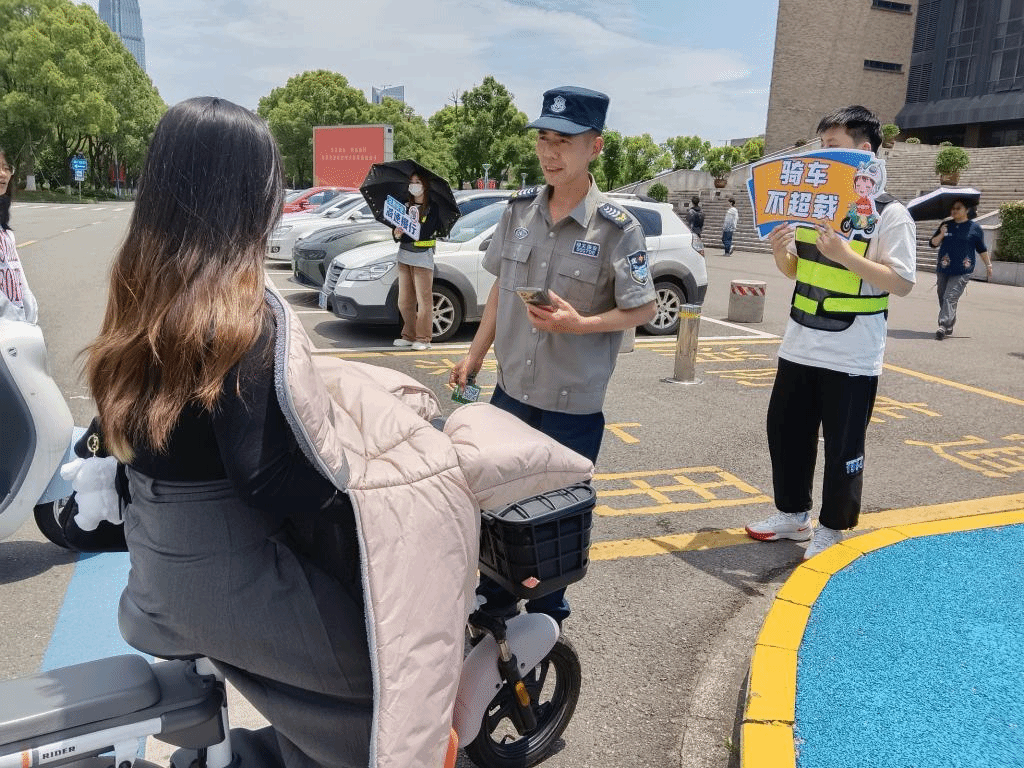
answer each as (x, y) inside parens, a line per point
(949, 163)
(719, 162)
(889, 133)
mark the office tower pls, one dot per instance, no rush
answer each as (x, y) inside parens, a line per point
(124, 18)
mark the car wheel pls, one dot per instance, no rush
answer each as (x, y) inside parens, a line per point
(447, 314)
(668, 299)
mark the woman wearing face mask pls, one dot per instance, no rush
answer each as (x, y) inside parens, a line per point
(16, 300)
(416, 269)
(958, 241)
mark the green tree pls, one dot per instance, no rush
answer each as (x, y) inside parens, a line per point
(720, 160)
(307, 100)
(488, 128)
(687, 151)
(752, 151)
(643, 158)
(413, 137)
(612, 161)
(67, 80)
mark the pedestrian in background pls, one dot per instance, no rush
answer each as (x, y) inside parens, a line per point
(829, 361)
(732, 218)
(16, 300)
(555, 361)
(695, 216)
(416, 268)
(958, 240)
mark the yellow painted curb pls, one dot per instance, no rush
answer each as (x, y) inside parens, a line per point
(769, 716)
(767, 745)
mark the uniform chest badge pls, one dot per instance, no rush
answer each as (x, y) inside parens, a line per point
(585, 248)
(638, 267)
(558, 105)
(521, 233)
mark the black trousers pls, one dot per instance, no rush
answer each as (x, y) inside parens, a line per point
(803, 400)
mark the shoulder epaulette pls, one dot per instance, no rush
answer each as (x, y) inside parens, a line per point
(615, 215)
(527, 193)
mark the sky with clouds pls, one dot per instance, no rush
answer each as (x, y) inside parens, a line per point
(671, 67)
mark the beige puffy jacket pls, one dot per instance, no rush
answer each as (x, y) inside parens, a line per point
(417, 493)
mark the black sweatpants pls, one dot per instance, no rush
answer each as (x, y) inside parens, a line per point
(803, 399)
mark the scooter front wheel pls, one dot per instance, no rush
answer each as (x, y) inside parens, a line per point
(48, 519)
(554, 686)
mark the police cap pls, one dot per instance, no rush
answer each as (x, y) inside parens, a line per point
(572, 110)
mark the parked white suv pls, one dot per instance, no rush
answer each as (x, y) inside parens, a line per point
(361, 283)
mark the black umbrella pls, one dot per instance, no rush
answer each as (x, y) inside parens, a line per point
(392, 178)
(936, 204)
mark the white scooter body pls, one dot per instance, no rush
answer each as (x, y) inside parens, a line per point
(38, 428)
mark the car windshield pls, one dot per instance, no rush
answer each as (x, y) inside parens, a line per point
(345, 207)
(472, 224)
(342, 199)
(293, 194)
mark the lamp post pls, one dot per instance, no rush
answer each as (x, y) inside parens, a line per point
(487, 167)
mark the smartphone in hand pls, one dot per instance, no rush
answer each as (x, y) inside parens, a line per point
(536, 296)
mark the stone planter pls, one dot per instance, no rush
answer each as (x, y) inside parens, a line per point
(949, 179)
(720, 183)
(1007, 272)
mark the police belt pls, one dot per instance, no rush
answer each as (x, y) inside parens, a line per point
(838, 288)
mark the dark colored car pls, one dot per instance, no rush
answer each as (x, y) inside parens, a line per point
(312, 254)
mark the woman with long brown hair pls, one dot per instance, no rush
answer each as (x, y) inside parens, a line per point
(223, 497)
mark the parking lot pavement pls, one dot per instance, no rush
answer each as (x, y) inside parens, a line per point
(672, 605)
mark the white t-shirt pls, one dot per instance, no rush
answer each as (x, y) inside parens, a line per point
(16, 300)
(860, 348)
(732, 218)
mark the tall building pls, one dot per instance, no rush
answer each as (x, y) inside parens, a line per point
(966, 81)
(124, 18)
(377, 95)
(833, 53)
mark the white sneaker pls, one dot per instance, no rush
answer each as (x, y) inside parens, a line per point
(823, 539)
(402, 343)
(419, 346)
(782, 525)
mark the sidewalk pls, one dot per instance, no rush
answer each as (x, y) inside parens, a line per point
(901, 647)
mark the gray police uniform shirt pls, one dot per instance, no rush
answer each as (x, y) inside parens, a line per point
(596, 259)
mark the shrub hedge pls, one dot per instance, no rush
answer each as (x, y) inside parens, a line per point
(1010, 246)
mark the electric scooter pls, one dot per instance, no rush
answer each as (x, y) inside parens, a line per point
(39, 432)
(517, 692)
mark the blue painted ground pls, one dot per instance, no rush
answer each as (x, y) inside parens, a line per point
(914, 657)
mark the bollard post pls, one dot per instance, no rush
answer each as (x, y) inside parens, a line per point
(686, 346)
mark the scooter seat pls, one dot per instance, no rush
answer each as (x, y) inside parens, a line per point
(72, 696)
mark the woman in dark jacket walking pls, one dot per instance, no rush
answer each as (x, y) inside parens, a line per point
(958, 240)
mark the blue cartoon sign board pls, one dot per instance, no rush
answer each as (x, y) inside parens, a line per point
(832, 187)
(395, 213)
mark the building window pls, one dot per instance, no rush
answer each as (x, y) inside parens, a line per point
(927, 23)
(1007, 72)
(886, 5)
(882, 66)
(919, 82)
(965, 41)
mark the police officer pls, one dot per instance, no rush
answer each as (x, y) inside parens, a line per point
(555, 361)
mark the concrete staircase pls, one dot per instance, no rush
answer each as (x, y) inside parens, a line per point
(997, 171)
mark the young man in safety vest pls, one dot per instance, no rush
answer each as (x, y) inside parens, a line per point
(830, 360)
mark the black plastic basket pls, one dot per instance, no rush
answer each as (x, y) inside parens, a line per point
(539, 544)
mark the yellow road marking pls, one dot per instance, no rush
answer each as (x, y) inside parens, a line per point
(619, 431)
(955, 385)
(27, 242)
(731, 537)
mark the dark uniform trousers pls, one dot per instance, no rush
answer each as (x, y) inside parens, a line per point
(580, 432)
(803, 399)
